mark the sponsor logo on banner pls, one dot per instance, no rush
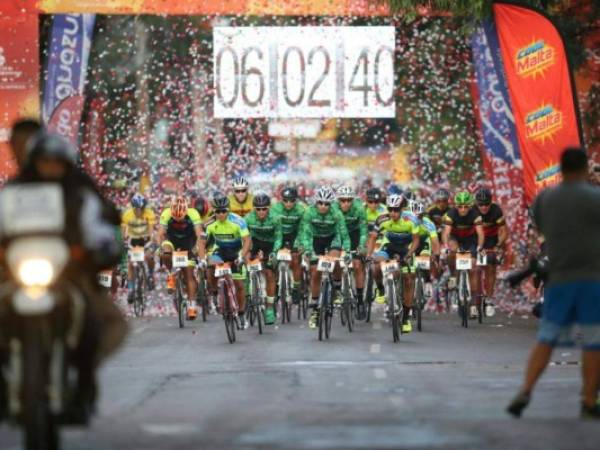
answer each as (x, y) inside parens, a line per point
(543, 123)
(535, 59)
(547, 177)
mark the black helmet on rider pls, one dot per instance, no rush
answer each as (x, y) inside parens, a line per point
(483, 197)
(261, 200)
(374, 195)
(220, 201)
(289, 193)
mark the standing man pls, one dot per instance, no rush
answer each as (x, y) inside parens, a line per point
(21, 133)
(568, 216)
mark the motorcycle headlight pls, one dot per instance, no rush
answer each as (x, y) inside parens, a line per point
(37, 261)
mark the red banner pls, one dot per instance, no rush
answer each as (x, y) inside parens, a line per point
(19, 76)
(541, 92)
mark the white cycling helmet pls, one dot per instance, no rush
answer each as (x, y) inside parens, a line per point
(345, 192)
(324, 194)
(417, 207)
(240, 183)
(395, 201)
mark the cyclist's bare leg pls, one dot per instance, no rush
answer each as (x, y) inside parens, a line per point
(166, 258)
(474, 281)
(490, 280)
(296, 267)
(359, 274)
(191, 284)
(270, 279)
(315, 281)
(150, 260)
(408, 289)
(240, 294)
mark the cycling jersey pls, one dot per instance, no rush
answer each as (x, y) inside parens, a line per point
(138, 227)
(356, 223)
(436, 215)
(329, 227)
(181, 234)
(227, 234)
(427, 232)
(463, 227)
(241, 209)
(267, 230)
(373, 215)
(290, 222)
(492, 221)
(399, 232)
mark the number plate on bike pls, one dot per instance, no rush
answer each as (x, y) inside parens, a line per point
(463, 262)
(389, 267)
(326, 264)
(136, 254)
(105, 278)
(451, 283)
(423, 262)
(481, 260)
(222, 270)
(180, 259)
(284, 255)
(254, 266)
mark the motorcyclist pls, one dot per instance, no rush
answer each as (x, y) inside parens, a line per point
(90, 231)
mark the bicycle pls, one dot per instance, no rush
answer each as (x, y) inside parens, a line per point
(180, 262)
(349, 305)
(326, 265)
(137, 259)
(227, 300)
(423, 265)
(304, 290)
(393, 295)
(284, 284)
(464, 264)
(369, 290)
(482, 262)
(256, 304)
(202, 295)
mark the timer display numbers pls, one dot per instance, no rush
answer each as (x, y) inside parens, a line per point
(303, 72)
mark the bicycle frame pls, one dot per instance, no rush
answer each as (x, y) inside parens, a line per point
(227, 299)
(464, 265)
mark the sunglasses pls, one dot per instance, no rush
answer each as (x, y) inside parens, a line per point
(345, 200)
(394, 209)
(322, 203)
(221, 211)
(240, 191)
(484, 205)
(372, 201)
(463, 207)
(288, 200)
(261, 209)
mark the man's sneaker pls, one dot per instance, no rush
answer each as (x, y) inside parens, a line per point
(130, 296)
(379, 297)
(150, 281)
(269, 316)
(338, 300)
(407, 327)
(473, 311)
(590, 413)
(519, 403)
(314, 319)
(212, 306)
(192, 311)
(489, 309)
(361, 311)
(243, 322)
(171, 283)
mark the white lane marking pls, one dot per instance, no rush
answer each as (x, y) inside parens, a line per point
(380, 374)
(169, 429)
(377, 325)
(375, 348)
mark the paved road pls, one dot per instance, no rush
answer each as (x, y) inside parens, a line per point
(445, 388)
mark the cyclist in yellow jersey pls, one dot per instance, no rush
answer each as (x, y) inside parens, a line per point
(240, 202)
(137, 224)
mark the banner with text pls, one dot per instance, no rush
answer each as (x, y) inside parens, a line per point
(541, 92)
(66, 72)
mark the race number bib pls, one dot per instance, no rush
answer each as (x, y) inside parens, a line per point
(32, 208)
(389, 267)
(284, 255)
(105, 278)
(180, 259)
(423, 262)
(481, 260)
(255, 266)
(222, 270)
(463, 262)
(326, 264)
(136, 254)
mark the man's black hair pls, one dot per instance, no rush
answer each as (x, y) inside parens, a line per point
(573, 160)
(25, 126)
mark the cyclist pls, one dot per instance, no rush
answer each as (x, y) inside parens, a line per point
(463, 231)
(401, 239)
(429, 243)
(137, 226)
(439, 208)
(496, 233)
(240, 201)
(375, 208)
(323, 232)
(231, 243)
(290, 211)
(265, 231)
(180, 229)
(202, 205)
(355, 217)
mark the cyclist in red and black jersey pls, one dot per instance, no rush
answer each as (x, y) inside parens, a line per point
(496, 233)
(463, 231)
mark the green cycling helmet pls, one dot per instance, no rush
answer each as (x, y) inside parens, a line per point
(463, 198)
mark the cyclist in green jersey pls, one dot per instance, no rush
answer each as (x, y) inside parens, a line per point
(401, 240)
(323, 233)
(355, 218)
(266, 235)
(429, 242)
(232, 242)
(290, 212)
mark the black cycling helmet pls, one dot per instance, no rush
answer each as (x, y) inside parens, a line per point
(201, 205)
(50, 145)
(374, 195)
(289, 193)
(220, 201)
(261, 200)
(483, 196)
(442, 195)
